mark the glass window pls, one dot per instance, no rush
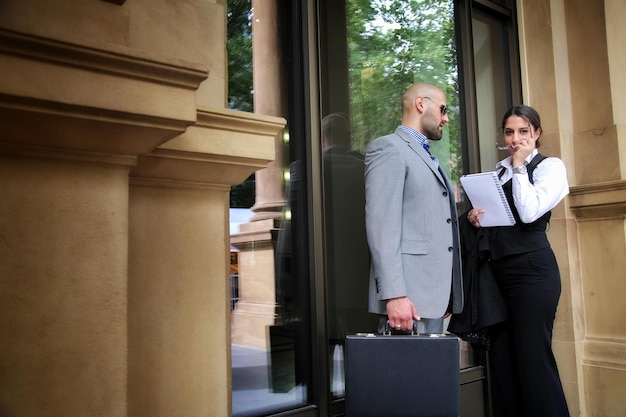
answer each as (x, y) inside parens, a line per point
(492, 89)
(370, 52)
(270, 309)
(389, 46)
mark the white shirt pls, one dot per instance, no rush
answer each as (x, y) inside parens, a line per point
(550, 186)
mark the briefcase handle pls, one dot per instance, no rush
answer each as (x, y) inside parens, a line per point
(388, 329)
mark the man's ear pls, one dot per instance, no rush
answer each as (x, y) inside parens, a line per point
(419, 104)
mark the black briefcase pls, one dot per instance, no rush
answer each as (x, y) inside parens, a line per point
(402, 375)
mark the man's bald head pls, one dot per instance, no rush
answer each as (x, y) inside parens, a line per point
(416, 90)
(423, 109)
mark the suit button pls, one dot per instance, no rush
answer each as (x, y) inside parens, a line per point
(450, 249)
(445, 193)
(449, 221)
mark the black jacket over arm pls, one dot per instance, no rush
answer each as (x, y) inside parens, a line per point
(484, 305)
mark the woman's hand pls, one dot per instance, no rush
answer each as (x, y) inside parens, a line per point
(472, 216)
(522, 149)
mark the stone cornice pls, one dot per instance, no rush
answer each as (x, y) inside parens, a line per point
(238, 121)
(32, 122)
(76, 156)
(66, 54)
(606, 353)
(226, 133)
(87, 99)
(600, 200)
(222, 149)
(256, 235)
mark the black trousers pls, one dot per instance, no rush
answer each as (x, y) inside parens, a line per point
(524, 377)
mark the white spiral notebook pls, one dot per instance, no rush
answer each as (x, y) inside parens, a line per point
(485, 192)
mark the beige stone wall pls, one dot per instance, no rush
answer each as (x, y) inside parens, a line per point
(572, 68)
(63, 259)
(116, 158)
(179, 255)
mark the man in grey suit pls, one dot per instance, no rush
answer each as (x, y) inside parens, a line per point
(411, 220)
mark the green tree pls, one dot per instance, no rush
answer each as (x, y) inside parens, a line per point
(239, 50)
(392, 44)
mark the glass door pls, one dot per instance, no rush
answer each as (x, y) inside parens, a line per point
(272, 320)
(300, 258)
(371, 52)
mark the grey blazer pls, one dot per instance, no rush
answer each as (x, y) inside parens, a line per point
(412, 228)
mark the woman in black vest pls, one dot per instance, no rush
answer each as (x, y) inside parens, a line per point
(524, 375)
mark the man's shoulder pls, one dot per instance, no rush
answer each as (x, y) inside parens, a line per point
(392, 138)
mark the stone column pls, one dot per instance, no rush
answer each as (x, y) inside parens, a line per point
(270, 98)
(63, 251)
(256, 308)
(84, 90)
(583, 124)
(598, 198)
(64, 223)
(615, 12)
(178, 283)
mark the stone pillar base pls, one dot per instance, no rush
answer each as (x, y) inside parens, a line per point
(256, 309)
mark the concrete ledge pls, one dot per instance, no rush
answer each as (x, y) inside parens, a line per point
(600, 200)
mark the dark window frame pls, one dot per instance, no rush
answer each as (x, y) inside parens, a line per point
(309, 45)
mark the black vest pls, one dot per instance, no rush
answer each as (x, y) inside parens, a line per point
(522, 237)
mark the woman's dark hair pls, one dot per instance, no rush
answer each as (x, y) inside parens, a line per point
(527, 113)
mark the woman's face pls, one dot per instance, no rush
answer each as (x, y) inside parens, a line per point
(519, 132)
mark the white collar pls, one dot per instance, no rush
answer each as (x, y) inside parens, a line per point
(507, 161)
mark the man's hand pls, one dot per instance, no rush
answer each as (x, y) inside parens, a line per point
(401, 312)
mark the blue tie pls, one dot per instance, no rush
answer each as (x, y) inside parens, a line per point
(426, 146)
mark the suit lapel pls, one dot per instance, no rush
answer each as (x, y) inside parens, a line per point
(421, 153)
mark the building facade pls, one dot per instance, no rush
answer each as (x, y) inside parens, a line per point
(117, 154)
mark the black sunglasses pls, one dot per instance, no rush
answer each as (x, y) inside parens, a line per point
(443, 108)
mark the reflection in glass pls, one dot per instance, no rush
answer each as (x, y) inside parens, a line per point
(270, 336)
(491, 95)
(347, 254)
(390, 44)
(270, 326)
